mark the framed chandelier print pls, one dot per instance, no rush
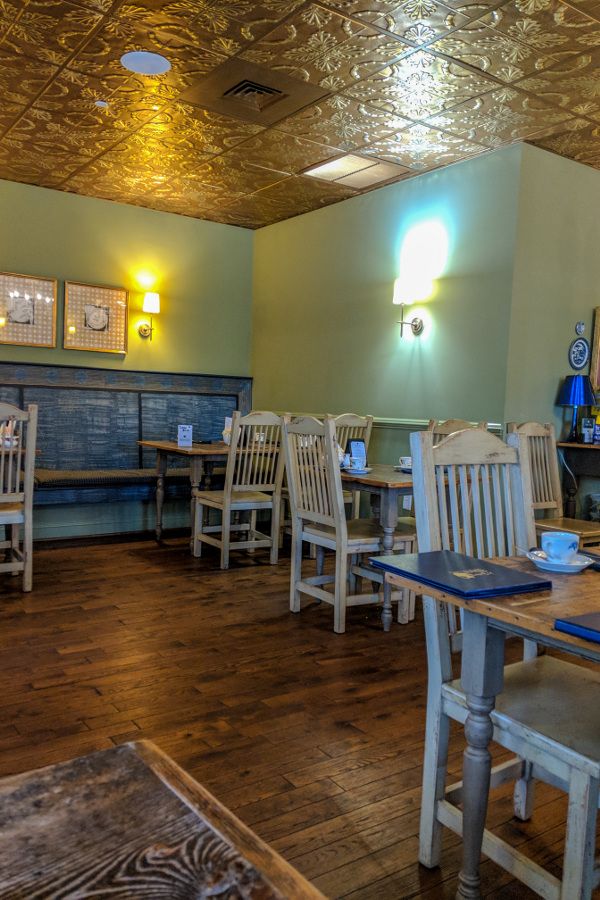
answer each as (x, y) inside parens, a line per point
(95, 318)
(27, 310)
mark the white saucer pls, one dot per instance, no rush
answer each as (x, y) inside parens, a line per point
(350, 471)
(577, 564)
(407, 469)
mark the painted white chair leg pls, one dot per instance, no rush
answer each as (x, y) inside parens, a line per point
(523, 795)
(341, 589)
(296, 570)
(28, 557)
(275, 531)
(320, 557)
(435, 762)
(580, 844)
(225, 537)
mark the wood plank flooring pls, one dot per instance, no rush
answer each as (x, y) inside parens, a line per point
(313, 739)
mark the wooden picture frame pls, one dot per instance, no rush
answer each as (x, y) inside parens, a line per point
(595, 363)
(95, 318)
(27, 310)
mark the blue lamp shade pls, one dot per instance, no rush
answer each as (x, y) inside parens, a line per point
(576, 390)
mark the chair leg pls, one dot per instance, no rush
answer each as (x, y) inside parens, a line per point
(275, 532)
(225, 538)
(578, 865)
(27, 554)
(404, 607)
(15, 531)
(281, 521)
(198, 529)
(523, 794)
(296, 569)
(351, 575)
(437, 732)
(320, 556)
(341, 590)
(251, 528)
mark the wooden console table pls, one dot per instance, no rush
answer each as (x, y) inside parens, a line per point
(582, 459)
(128, 822)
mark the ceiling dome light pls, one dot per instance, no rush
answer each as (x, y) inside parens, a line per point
(101, 104)
(143, 62)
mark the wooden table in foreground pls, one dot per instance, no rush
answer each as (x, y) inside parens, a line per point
(128, 822)
(199, 456)
(486, 622)
(389, 485)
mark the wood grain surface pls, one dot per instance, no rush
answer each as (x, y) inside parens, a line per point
(313, 740)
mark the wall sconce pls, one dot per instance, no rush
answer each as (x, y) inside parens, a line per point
(416, 324)
(150, 305)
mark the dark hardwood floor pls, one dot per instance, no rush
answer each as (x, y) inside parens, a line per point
(313, 739)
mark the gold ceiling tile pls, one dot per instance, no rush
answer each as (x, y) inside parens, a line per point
(342, 122)
(233, 174)
(500, 117)
(161, 155)
(588, 7)
(322, 47)
(9, 114)
(416, 21)
(582, 146)
(420, 148)
(289, 197)
(420, 86)
(192, 188)
(26, 164)
(210, 132)
(21, 79)
(50, 30)
(280, 152)
(481, 46)
(573, 84)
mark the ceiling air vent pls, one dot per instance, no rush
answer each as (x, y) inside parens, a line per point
(253, 94)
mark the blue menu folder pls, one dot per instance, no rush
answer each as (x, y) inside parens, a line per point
(460, 575)
(586, 626)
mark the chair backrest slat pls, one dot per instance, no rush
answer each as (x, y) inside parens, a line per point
(255, 460)
(18, 435)
(537, 450)
(349, 426)
(313, 471)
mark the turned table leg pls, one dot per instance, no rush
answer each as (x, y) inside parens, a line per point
(482, 679)
(389, 520)
(196, 472)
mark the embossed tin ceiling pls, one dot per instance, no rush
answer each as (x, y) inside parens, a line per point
(416, 83)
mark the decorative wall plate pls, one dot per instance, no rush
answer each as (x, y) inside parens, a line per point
(579, 353)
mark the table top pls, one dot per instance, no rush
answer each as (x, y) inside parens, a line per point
(572, 445)
(219, 448)
(129, 822)
(384, 476)
(532, 615)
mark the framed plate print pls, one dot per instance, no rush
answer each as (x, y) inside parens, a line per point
(579, 354)
(595, 366)
(95, 318)
(27, 310)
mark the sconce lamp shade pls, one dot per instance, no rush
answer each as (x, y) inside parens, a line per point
(576, 390)
(151, 303)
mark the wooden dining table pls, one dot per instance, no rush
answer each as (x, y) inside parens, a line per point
(486, 622)
(201, 459)
(128, 822)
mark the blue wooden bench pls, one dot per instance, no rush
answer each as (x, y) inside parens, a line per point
(90, 421)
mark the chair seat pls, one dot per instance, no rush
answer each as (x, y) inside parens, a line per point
(363, 531)
(554, 699)
(239, 500)
(582, 527)
(11, 513)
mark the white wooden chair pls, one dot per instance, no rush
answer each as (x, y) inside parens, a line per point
(347, 427)
(537, 451)
(470, 496)
(318, 518)
(443, 429)
(252, 482)
(18, 433)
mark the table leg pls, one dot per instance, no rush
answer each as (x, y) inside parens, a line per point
(482, 679)
(161, 470)
(388, 517)
(196, 472)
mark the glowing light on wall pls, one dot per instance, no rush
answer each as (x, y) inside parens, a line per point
(423, 258)
(145, 279)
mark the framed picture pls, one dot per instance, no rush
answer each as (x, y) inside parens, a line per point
(95, 318)
(595, 364)
(27, 310)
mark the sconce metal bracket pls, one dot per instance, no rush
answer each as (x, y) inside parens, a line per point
(145, 329)
(416, 324)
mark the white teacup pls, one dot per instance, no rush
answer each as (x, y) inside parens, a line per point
(406, 462)
(560, 546)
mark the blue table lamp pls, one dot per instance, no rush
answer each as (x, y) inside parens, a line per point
(576, 391)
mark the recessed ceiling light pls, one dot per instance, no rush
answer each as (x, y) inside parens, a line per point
(101, 104)
(143, 62)
(356, 171)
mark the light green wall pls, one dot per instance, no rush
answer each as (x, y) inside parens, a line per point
(325, 332)
(556, 280)
(204, 277)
